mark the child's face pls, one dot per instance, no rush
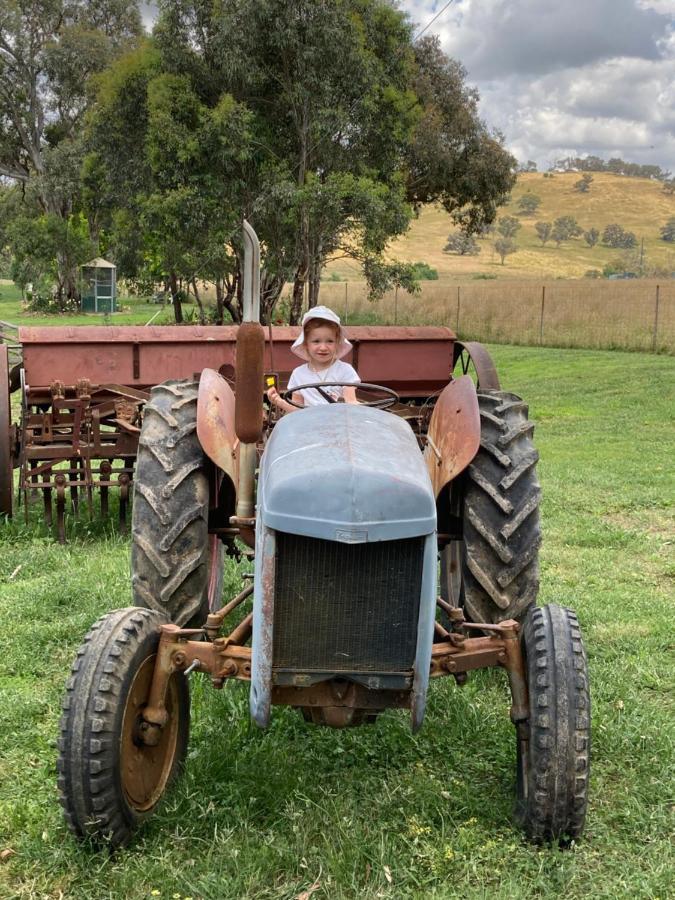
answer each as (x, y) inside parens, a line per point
(321, 343)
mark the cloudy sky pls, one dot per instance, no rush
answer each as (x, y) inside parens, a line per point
(567, 77)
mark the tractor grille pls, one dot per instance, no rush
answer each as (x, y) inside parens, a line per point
(346, 607)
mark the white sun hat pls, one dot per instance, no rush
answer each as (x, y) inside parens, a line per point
(321, 312)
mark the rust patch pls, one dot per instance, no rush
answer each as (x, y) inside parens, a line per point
(454, 433)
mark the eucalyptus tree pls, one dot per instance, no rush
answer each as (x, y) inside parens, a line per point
(49, 49)
(344, 128)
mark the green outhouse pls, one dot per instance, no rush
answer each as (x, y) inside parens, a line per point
(99, 287)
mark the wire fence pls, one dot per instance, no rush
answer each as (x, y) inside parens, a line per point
(627, 315)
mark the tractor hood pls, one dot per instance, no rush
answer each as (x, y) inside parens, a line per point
(348, 473)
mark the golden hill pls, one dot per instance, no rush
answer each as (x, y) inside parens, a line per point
(637, 204)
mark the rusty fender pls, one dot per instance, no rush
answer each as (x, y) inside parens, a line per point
(453, 437)
(215, 423)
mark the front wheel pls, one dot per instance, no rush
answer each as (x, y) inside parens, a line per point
(109, 779)
(553, 746)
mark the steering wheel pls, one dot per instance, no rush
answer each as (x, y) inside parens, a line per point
(381, 403)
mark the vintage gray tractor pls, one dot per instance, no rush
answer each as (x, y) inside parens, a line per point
(355, 513)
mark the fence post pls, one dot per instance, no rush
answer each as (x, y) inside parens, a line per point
(656, 319)
(346, 299)
(458, 303)
(395, 304)
(541, 316)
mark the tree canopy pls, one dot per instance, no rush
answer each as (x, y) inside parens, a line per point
(49, 50)
(323, 124)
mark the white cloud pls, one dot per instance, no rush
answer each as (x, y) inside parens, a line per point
(560, 78)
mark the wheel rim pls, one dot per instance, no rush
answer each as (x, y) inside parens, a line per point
(472, 359)
(6, 477)
(145, 770)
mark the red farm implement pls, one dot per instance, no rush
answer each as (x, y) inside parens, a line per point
(82, 392)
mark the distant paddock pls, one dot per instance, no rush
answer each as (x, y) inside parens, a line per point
(629, 315)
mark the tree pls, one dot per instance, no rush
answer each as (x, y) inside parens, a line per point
(346, 128)
(528, 204)
(529, 166)
(507, 226)
(615, 236)
(668, 231)
(462, 244)
(584, 183)
(564, 228)
(453, 158)
(591, 236)
(505, 247)
(543, 230)
(48, 51)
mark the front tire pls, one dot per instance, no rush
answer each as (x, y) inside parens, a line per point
(109, 780)
(176, 566)
(553, 749)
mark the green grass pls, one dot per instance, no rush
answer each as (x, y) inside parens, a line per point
(375, 811)
(133, 311)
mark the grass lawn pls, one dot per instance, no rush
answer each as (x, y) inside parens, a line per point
(133, 311)
(375, 811)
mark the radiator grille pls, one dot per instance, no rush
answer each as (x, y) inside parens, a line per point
(346, 607)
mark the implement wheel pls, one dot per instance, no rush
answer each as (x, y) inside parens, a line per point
(176, 566)
(553, 747)
(6, 464)
(493, 572)
(109, 779)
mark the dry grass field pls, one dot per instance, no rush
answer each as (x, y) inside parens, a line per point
(581, 313)
(637, 204)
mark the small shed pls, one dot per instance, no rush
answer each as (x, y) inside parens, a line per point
(99, 286)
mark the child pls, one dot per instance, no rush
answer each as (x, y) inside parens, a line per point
(323, 345)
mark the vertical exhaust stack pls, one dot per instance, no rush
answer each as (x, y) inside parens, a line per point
(248, 411)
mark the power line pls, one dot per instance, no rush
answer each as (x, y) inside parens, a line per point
(429, 24)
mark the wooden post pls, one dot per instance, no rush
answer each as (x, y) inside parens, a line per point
(395, 304)
(458, 303)
(541, 316)
(346, 299)
(656, 319)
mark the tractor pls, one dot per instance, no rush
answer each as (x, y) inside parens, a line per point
(393, 542)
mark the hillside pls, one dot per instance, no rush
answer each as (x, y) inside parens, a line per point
(637, 204)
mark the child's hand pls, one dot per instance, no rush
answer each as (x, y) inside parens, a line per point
(273, 395)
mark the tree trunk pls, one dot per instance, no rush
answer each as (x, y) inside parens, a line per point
(175, 298)
(297, 296)
(270, 291)
(220, 305)
(198, 301)
(232, 299)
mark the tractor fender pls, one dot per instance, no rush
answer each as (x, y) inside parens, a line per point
(215, 423)
(453, 437)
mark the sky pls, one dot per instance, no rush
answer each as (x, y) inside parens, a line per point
(565, 77)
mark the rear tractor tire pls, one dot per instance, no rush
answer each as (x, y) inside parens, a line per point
(109, 780)
(493, 572)
(553, 747)
(176, 566)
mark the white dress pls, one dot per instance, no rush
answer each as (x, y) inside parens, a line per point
(338, 371)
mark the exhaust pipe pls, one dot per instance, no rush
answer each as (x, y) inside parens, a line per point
(248, 411)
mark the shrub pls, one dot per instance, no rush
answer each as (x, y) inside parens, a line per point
(424, 272)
